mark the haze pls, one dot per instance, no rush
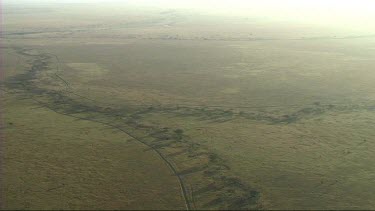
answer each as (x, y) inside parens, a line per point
(196, 105)
(356, 16)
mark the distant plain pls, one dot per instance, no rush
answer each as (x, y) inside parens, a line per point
(250, 114)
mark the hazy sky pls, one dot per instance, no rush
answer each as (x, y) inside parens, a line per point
(348, 13)
(334, 7)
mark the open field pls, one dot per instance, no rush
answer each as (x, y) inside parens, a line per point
(157, 109)
(54, 161)
(57, 162)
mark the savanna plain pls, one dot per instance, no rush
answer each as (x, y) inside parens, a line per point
(124, 107)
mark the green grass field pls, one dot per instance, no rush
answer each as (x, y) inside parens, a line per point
(58, 162)
(162, 111)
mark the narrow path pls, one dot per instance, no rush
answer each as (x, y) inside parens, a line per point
(184, 191)
(169, 164)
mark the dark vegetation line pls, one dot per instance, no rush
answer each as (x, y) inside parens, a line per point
(329, 106)
(215, 174)
(169, 164)
(317, 107)
(224, 115)
(214, 185)
(184, 191)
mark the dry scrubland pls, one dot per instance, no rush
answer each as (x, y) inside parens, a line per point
(165, 109)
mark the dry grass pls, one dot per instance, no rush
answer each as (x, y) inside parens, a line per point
(293, 129)
(58, 162)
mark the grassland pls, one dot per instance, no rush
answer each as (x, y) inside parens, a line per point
(183, 114)
(54, 161)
